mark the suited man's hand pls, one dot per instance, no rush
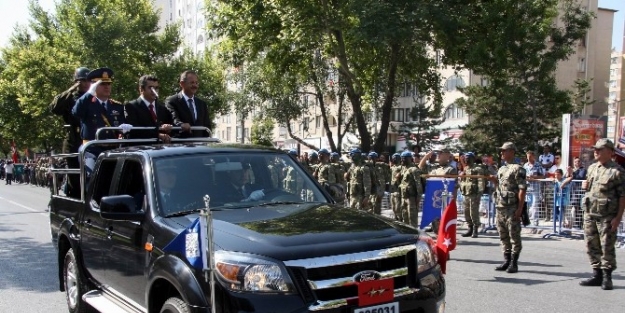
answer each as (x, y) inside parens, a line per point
(186, 127)
(165, 138)
(165, 127)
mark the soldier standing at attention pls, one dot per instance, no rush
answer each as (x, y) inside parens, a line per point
(377, 181)
(338, 169)
(395, 196)
(472, 190)
(510, 184)
(292, 182)
(603, 206)
(359, 179)
(410, 189)
(313, 161)
(324, 172)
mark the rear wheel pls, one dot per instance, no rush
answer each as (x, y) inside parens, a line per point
(75, 285)
(175, 305)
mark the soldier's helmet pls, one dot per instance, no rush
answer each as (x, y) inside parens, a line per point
(335, 155)
(293, 152)
(324, 151)
(469, 155)
(395, 157)
(313, 155)
(373, 155)
(406, 154)
(81, 73)
(354, 151)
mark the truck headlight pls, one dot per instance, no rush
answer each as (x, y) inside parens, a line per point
(244, 272)
(426, 258)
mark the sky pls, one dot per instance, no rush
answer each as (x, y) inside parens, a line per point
(16, 12)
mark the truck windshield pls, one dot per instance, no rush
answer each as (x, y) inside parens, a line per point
(231, 180)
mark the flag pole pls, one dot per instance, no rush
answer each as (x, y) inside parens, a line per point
(209, 265)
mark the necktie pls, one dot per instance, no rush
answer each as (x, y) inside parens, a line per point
(191, 109)
(151, 107)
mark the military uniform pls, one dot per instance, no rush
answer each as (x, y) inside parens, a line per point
(472, 190)
(292, 182)
(410, 189)
(395, 195)
(511, 181)
(359, 185)
(62, 105)
(605, 187)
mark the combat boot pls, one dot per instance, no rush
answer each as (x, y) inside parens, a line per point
(606, 284)
(514, 266)
(506, 264)
(595, 280)
(475, 231)
(469, 232)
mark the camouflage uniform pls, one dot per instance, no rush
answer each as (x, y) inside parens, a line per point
(377, 188)
(472, 190)
(359, 185)
(292, 182)
(410, 191)
(511, 181)
(325, 173)
(394, 190)
(605, 187)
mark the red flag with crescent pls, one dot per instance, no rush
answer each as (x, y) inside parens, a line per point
(446, 240)
(13, 151)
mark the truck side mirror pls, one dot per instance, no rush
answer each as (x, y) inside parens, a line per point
(120, 208)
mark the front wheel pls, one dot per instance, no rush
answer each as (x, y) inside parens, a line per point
(75, 285)
(175, 305)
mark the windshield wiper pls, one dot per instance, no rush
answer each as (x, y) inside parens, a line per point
(280, 202)
(183, 213)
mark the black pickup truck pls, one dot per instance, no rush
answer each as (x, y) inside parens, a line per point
(131, 244)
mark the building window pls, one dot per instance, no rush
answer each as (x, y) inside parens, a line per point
(484, 82)
(614, 60)
(612, 95)
(246, 133)
(239, 132)
(581, 64)
(614, 72)
(408, 115)
(454, 82)
(228, 133)
(318, 122)
(612, 83)
(454, 112)
(439, 57)
(611, 129)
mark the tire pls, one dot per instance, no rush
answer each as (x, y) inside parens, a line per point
(75, 284)
(175, 305)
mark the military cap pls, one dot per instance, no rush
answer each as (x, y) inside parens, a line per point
(604, 143)
(406, 154)
(313, 154)
(508, 146)
(324, 151)
(396, 155)
(372, 154)
(81, 73)
(293, 152)
(104, 74)
(354, 151)
(335, 154)
(469, 155)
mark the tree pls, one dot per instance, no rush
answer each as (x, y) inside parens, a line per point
(120, 34)
(425, 116)
(517, 46)
(373, 45)
(262, 131)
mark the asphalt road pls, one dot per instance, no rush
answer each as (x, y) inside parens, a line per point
(547, 282)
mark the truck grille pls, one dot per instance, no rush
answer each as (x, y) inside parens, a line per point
(331, 278)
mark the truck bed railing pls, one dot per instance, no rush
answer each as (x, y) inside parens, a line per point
(112, 142)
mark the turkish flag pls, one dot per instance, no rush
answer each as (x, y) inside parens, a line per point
(446, 240)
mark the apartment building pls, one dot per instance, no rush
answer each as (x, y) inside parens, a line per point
(615, 95)
(591, 60)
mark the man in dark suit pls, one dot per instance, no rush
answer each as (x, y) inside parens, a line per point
(188, 110)
(147, 112)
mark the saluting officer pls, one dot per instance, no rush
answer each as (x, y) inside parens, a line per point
(359, 179)
(472, 190)
(603, 211)
(443, 167)
(95, 109)
(510, 184)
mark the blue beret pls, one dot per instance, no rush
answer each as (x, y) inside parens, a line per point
(406, 154)
(373, 154)
(354, 151)
(469, 154)
(396, 155)
(293, 152)
(324, 151)
(313, 154)
(335, 154)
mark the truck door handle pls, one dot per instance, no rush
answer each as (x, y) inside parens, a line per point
(109, 233)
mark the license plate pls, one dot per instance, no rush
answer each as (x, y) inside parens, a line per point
(382, 308)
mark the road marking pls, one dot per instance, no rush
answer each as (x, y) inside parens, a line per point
(25, 207)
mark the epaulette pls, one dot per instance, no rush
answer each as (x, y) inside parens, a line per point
(115, 102)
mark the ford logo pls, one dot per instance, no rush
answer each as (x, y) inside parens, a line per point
(367, 276)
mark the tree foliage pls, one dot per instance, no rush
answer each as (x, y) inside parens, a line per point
(373, 45)
(41, 57)
(518, 51)
(262, 131)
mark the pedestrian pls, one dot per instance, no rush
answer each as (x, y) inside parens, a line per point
(534, 171)
(510, 184)
(562, 195)
(472, 190)
(145, 111)
(8, 169)
(187, 109)
(603, 203)
(359, 179)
